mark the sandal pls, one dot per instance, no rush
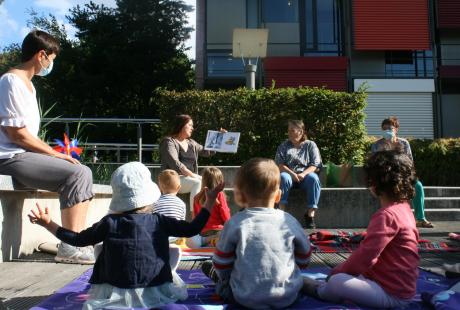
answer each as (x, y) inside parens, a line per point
(424, 224)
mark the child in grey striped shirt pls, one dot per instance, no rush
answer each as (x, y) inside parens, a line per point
(171, 206)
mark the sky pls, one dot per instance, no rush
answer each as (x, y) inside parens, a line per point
(14, 16)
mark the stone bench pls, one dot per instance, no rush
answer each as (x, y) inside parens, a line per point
(338, 207)
(18, 235)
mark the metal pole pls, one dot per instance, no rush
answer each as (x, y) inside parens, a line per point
(250, 71)
(139, 141)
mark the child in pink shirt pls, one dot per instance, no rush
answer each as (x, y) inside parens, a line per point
(382, 272)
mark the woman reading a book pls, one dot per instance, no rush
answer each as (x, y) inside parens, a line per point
(299, 161)
(180, 153)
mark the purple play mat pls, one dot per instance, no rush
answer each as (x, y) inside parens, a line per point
(202, 296)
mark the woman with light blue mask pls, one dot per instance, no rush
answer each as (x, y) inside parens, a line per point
(32, 162)
(390, 140)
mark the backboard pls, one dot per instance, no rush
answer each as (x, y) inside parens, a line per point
(250, 43)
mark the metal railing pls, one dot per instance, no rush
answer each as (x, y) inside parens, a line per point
(112, 146)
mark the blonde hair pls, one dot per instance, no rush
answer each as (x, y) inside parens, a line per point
(258, 178)
(169, 181)
(210, 178)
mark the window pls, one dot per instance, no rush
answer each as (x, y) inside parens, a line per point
(222, 64)
(409, 63)
(280, 11)
(322, 27)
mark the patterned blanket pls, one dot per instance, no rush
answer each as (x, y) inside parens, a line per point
(434, 288)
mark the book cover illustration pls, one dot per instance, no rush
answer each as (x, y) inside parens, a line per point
(224, 142)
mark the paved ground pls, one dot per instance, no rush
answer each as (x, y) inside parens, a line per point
(26, 281)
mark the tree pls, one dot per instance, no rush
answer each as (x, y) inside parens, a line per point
(119, 57)
(129, 51)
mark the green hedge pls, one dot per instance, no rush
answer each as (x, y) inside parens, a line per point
(437, 161)
(335, 119)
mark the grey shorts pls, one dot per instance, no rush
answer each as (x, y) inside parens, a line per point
(73, 183)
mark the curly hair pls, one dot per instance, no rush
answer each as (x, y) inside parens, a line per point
(391, 173)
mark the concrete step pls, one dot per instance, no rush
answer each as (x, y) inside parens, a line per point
(351, 207)
(443, 215)
(341, 207)
(442, 202)
(229, 173)
(441, 191)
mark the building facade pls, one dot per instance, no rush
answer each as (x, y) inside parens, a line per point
(407, 53)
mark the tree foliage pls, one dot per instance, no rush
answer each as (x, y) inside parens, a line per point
(119, 57)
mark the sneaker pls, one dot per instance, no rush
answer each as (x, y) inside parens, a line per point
(208, 269)
(309, 222)
(68, 254)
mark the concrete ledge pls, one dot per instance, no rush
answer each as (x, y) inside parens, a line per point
(338, 207)
(18, 235)
(229, 173)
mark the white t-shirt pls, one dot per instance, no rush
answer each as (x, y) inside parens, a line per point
(18, 108)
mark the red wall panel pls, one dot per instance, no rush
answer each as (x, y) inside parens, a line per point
(330, 72)
(448, 13)
(391, 25)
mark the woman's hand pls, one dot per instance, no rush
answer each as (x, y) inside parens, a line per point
(68, 158)
(39, 216)
(295, 177)
(223, 130)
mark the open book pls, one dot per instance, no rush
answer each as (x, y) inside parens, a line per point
(224, 142)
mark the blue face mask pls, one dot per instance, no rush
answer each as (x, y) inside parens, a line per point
(388, 134)
(45, 71)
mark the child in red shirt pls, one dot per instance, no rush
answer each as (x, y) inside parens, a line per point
(220, 214)
(382, 272)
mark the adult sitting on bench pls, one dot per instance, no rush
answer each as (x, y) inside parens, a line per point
(29, 160)
(299, 161)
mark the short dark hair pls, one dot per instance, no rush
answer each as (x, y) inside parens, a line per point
(37, 41)
(392, 121)
(392, 173)
(179, 122)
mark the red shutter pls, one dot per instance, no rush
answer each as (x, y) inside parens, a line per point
(448, 13)
(330, 72)
(391, 25)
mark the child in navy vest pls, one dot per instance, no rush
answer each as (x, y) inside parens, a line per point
(133, 269)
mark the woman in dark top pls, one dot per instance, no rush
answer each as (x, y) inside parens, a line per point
(180, 153)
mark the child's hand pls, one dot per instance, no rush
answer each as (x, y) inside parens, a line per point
(211, 195)
(39, 217)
